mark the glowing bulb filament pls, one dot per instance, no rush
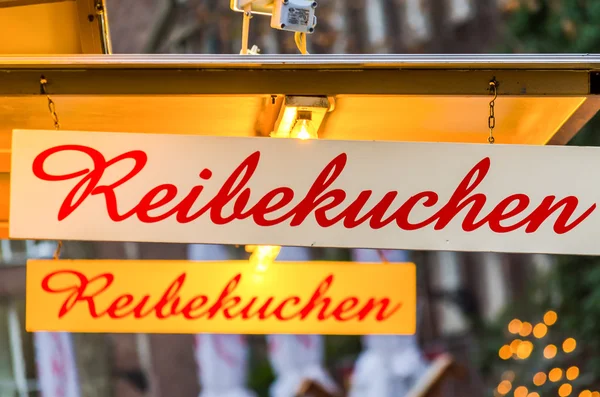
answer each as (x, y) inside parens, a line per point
(262, 256)
(304, 128)
(303, 133)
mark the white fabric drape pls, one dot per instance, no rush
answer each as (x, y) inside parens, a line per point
(295, 358)
(222, 359)
(223, 365)
(389, 365)
(57, 372)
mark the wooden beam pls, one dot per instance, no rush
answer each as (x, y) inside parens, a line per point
(18, 3)
(577, 121)
(293, 82)
(431, 380)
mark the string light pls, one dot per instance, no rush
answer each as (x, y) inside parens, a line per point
(569, 345)
(565, 390)
(555, 375)
(539, 379)
(572, 373)
(540, 330)
(514, 327)
(504, 387)
(524, 350)
(550, 318)
(514, 345)
(526, 329)
(521, 391)
(595, 394)
(505, 352)
(550, 351)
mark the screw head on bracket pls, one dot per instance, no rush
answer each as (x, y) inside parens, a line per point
(314, 4)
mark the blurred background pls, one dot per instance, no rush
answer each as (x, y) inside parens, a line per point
(522, 325)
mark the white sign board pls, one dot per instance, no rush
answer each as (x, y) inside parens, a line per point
(224, 190)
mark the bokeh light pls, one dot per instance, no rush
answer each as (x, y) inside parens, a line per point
(585, 393)
(539, 379)
(540, 330)
(550, 318)
(555, 375)
(524, 350)
(550, 351)
(508, 375)
(504, 387)
(569, 345)
(526, 329)
(505, 352)
(521, 391)
(572, 373)
(565, 390)
(514, 327)
(595, 394)
(514, 345)
(534, 394)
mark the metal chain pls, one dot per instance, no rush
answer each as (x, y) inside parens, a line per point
(382, 256)
(52, 109)
(492, 117)
(59, 245)
(51, 105)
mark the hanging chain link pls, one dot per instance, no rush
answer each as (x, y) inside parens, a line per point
(52, 109)
(492, 117)
(59, 245)
(51, 105)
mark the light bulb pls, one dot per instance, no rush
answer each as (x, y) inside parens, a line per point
(262, 256)
(304, 129)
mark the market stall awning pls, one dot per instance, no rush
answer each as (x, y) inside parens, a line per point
(443, 98)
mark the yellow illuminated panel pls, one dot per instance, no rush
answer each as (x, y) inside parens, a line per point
(48, 28)
(519, 120)
(221, 297)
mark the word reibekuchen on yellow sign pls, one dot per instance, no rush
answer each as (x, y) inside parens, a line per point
(220, 297)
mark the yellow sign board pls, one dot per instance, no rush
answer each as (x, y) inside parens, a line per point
(221, 297)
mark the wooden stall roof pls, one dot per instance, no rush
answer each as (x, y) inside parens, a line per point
(543, 99)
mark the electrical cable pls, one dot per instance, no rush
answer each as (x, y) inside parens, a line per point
(300, 39)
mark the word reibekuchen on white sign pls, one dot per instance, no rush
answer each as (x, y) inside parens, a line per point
(225, 190)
